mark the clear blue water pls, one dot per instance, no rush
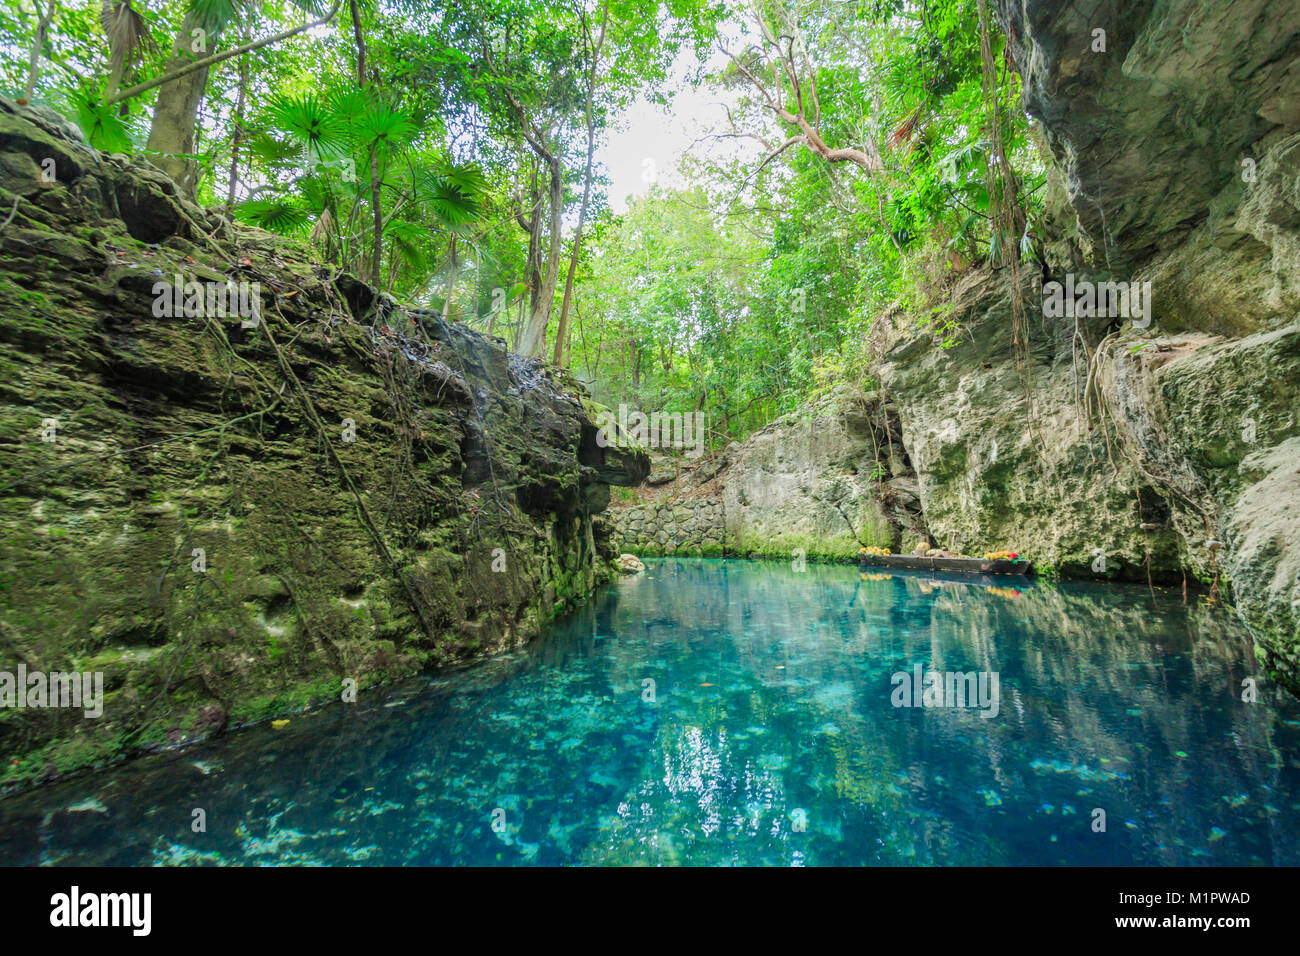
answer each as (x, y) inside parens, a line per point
(772, 739)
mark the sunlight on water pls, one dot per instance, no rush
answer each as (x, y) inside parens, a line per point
(733, 712)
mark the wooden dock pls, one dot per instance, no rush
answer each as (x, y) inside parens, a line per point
(1019, 566)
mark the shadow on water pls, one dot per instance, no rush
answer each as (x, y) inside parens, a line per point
(734, 712)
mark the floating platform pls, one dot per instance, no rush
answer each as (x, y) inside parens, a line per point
(959, 578)
(1018, 566)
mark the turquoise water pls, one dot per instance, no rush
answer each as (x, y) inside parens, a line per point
(770, 738)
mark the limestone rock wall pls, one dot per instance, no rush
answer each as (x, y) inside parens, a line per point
(824, 482)
(228, 520)
(813, 482)
(1104, 448)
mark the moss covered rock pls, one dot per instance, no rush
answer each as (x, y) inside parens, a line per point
(232, 516)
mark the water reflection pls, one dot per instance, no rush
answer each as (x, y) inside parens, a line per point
(722, 712)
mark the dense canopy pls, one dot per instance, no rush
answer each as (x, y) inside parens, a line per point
(853, 157)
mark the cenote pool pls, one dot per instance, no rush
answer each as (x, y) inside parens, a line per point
(768, 737)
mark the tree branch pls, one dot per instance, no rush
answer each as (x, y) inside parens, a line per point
(219, 57)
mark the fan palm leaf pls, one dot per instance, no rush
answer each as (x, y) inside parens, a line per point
(310, 122)
(410, 240)
(384, 126)
(286, 217)
(454, 194)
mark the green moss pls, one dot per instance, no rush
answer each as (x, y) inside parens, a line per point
(835, 547)
(95, 562)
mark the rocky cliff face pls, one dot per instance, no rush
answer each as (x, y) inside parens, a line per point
(821, 483)
(230, 515)
(1113, 446)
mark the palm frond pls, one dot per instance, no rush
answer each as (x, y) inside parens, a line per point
(453, 193)
(348, 104)
(102, 126)
(262, 145)
(127, 33)
(316, 192)
(284, 216)
(382, 125)
(216, 14)
(324, 230)
(316, 8)
(410, 240)
(310, 122)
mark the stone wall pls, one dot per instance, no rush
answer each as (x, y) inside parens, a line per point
(693, 527)
(824, 481)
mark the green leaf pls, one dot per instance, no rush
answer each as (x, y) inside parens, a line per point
(310, 122)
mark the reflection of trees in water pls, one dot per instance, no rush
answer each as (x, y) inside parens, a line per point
(1096, 682)
(1119, 679)
(1101, 688)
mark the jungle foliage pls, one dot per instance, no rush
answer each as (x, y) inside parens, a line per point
(449, 152)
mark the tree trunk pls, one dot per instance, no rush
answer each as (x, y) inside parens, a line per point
(176, 112)
(378, 209)
(451, 284)
(38, 44)
(534, 226)
(562, 333)
(361, 43)
(376, 206)
(592, 367)
(535, 335)
(237, 138)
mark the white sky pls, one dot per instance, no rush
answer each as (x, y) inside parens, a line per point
(648, 140)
